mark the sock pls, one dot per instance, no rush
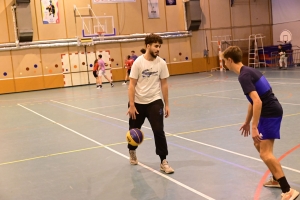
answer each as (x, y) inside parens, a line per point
(274, 178)
(162, 157)
(130, 147)
(285, 187)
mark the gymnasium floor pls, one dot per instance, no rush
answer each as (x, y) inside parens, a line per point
(69, 143)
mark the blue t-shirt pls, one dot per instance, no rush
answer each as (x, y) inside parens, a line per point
(134, 57)
(253, 80)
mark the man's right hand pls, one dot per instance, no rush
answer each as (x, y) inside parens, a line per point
(132, 111)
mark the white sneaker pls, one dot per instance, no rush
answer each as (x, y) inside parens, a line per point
(124, 83)
(165, 167)
(133, 159)
(291, 195)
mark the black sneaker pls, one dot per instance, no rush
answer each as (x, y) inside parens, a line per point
(285, 68)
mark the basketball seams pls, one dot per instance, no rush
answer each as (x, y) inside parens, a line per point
(137, 135)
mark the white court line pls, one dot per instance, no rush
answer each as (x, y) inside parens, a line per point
(191, 95)
(287, 83)
(286, 78)
(124, 156)
(202, 94)
(106, 106)
(294, 104)
(235, 153)
(199, 95)
(221, 91)
(215, 147)
(192, 80)
(272, 82)
(285, 71)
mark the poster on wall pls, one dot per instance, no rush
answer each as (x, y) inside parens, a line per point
(112, 1)
(171, 2)
(153, 9)
(50, 11)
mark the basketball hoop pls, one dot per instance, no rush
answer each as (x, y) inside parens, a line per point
(101, 35)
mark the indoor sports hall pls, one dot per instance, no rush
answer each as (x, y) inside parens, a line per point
(62, 138)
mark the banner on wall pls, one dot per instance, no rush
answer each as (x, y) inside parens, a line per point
(50, 11)
(153, 9)
(112, 1)
(170, 2)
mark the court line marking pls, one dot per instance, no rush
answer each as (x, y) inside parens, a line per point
(204, 95)
(124, 156)
(189, 81)
(286, 78)
(261, 182)
(97, 95)
(176, 134)
(64, 152)
(279, 83)
(106, 106)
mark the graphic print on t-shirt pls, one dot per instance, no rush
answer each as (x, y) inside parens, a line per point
(148, 73)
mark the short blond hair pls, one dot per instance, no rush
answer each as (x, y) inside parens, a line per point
(233, 52)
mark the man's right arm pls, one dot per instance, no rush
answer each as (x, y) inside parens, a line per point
(131, 93)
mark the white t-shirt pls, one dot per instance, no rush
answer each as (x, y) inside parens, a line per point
(148, 75)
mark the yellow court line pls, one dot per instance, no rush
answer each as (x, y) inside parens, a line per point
(114, 144)
(217, 127)
(65, 152)
(205, 129)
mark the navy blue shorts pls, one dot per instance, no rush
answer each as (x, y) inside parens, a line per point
(269, 128)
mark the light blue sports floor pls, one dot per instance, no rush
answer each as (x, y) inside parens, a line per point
(69, 143)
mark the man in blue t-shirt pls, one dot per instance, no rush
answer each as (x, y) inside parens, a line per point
(133, 56)
(266, 113)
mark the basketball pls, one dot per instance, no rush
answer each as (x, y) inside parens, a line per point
(135, 136)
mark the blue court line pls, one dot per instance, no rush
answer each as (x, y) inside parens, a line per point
(216, 158)
(173, 144)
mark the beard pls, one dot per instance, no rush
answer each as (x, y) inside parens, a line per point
(153, 54)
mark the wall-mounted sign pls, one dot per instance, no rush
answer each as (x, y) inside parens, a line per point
(50, 11)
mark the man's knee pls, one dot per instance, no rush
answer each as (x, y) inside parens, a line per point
(257, 146)
(265, 156)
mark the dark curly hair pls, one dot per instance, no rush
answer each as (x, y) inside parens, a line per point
(143, 51)
(153, 38)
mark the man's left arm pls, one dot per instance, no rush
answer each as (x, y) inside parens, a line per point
(165, 92)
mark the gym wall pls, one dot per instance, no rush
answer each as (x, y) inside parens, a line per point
(286, 15)
(244, 18)
(34, 69)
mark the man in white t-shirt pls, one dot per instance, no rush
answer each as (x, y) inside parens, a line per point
(148, 77)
